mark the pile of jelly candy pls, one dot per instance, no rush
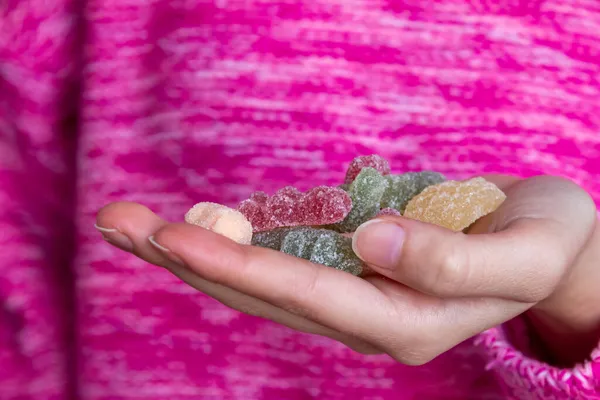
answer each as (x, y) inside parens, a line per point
(317, 225)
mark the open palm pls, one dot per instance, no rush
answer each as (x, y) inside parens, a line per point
(444, 288)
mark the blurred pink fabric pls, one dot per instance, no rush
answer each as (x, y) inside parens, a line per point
(170, 102)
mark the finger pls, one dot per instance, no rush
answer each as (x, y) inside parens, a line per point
(132, 224)
(258, 308)
(502, 181)
(435, 325)
(539, 231)
(329, 297)
(126, 225)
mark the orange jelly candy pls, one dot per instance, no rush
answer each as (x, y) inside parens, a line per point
(455, 205)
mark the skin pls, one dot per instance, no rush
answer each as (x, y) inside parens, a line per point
(538, 254)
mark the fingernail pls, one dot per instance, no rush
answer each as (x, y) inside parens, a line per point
(165, 251)
(115, 237)
(379, 242)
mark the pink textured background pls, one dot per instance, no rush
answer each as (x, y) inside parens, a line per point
(170, 102)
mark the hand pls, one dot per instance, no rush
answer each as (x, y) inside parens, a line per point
(436, 289)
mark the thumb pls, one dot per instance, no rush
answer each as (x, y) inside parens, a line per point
(524, 259)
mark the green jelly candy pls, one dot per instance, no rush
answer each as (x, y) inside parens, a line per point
(335, 250)
(270, 239)
(320, 246)
(402, 188)
(299, 243)
(366, 192)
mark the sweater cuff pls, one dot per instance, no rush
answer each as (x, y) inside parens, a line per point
(526, 377)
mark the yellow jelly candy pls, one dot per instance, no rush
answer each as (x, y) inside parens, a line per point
(455, 205)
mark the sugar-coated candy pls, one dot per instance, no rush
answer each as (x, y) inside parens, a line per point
(388, 211)
(374, 161)
(222, 220)
(366, 192)
(455, 205)
(318, 225)
(402, 188)
(320, 246)
(290, 207)
(271, 239)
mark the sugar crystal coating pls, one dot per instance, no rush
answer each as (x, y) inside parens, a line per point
(293, 222)
(290, 207)
(334, 250)
(374, 161)
(271, 239)
(402, 188)
(320, 246)
(455, 205)
(366, 192)
(222, 220)
(298, 243)
(388, 211)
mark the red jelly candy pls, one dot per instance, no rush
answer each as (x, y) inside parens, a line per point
(389, 211)
(254, 209)
(374, 161)
(289, 207)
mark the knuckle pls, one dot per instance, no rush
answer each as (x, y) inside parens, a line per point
(414, 348)
(302, 294)
(451, 271)
(310, 286)
(298, 310)
(412, 358)
(237, 267)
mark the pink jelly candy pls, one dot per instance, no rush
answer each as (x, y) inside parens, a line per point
(222, 220)
(289, 207)
(389, 211)
(373, 161)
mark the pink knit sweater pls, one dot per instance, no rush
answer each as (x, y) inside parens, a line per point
(170, 102)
